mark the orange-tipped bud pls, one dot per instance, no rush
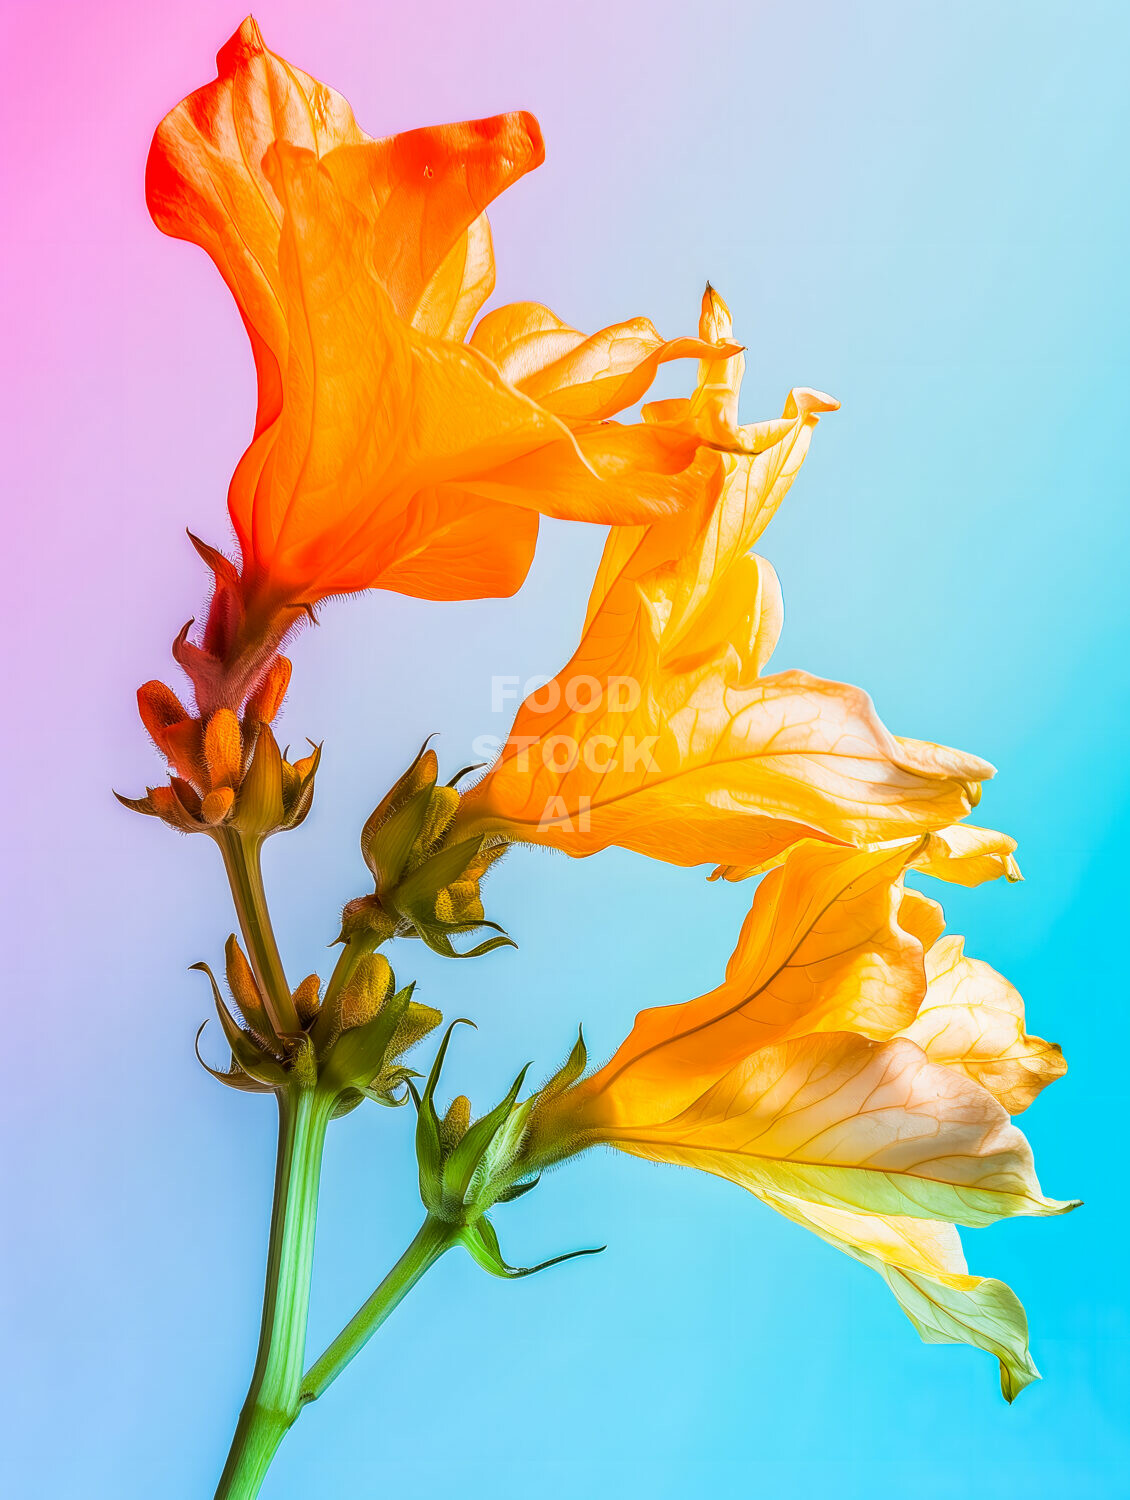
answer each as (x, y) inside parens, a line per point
(257, 794)
(159, 707)
(223, 749)
(265, 702)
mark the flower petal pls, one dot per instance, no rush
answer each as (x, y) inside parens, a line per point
(922, 917)
(374, 413)
(204, 181)
(608, 474)
(577, 377)
(847, 1122)
(459, 286)
(797, 1075)
(924, 1267)
(966, 855)
(972, 1019)
(421, 191)
(710, 757)
(690, 557)
(454, 544)
(231, 168)
(961, 855)
(703, 771)
(822, 949)
(713, 408)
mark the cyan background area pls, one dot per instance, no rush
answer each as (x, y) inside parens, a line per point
(921, 209)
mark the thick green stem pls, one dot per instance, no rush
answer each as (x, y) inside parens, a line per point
(245, 876)
(273, 1399)
(430, 1243)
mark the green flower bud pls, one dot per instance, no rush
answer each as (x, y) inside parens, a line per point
(427, 884)
(349, 1047)
(467, 1166)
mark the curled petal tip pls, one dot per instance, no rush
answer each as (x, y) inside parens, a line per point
(803, 401)
(715, 319)
(536, 140)
(246, 39)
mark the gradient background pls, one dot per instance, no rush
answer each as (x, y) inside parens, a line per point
(919, 208)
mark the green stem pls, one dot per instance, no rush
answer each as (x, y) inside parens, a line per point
(245, 876)
(433, 1239)
(273, 1399)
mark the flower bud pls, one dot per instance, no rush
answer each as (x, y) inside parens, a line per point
(467, 1166)
(427, 882)
(553, 1130)
(349, 1046)
(225, 774)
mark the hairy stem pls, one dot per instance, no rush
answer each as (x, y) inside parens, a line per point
(273, 1399)
(433, 1239)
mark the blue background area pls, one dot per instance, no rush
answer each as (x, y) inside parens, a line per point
(921, 209)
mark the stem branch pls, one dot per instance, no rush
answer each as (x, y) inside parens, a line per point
(433, 1238)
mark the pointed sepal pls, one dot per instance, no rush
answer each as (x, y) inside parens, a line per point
(247, 1053)
(481, 1242)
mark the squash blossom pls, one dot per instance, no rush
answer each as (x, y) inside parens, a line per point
(664, 733)
(390, 450)
(854, 1071)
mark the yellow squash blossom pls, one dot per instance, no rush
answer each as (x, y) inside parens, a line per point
(848, 1079)
(663, 734)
